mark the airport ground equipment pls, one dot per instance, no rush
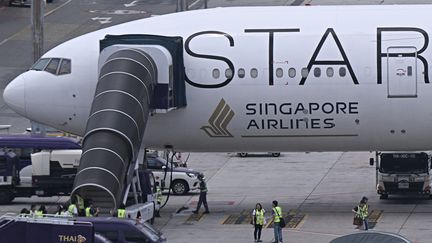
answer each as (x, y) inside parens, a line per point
(139, 75)
(403, 173)
(51, 173)
(60, 229)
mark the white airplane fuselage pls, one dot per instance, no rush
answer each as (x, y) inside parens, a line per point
(364, 85)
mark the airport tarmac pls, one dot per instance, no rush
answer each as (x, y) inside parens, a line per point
(318, 190)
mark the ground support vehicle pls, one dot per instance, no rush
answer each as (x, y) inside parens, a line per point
(183, 179)
(403, 173)
(51, 173)
(244, 154)
(55, 229)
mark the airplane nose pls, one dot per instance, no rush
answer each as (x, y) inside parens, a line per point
(14, 95)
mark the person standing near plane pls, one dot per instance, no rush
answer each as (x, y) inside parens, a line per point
(277, 215)
(158, 199)
(121, 212)
(203, 195)
(362, 212)
(90, 211)
(72, 209)
(32, 210)
(258, 221)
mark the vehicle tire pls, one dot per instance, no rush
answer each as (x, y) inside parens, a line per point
(275, 154)
(384, 196)
(6, 196)
(180, 187)
(242, 154)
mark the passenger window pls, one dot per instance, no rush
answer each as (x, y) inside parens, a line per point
(291, 72)
(304, 72)
(52, 66)
(330, 72)
(342, 72)
(241, 73)
(65, 67)
(254, 73)
(134, 236)
(317, 72)
(40, 64)
(216, 73)
(110, 235)
(228, 73)
(279, 72)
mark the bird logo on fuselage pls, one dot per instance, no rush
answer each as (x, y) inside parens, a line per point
(219, 121)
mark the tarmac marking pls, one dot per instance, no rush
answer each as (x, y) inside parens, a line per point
(194, 3)
(244, 217)
(293, 220)
(27, 27)
(220, 203)
(374, 217)
(195, 217)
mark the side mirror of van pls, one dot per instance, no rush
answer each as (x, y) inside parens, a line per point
(371, 161)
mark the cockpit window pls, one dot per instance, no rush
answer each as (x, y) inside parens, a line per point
(40, 64)
(56, 66)
(52, 66)
(65, 67)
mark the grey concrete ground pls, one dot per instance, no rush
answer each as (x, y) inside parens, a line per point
(322, 186)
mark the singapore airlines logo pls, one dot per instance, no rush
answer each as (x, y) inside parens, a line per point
(219, 121)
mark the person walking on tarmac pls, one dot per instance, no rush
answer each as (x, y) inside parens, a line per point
(90, 211)
(277, 215)
(158, 199)
(203, 195)
(258, 221)
(362, 212)
(121, 212)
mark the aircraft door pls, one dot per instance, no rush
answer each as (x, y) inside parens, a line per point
(401, 72)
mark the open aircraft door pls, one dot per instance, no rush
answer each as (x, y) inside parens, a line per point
(401, 72)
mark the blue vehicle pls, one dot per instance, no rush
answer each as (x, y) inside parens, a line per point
(54, 229)
(33, 165)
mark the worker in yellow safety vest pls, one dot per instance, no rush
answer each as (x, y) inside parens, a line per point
(158, 199)
(121, 212)
(277, 215)
(362, 212)
(73, 209)
(258, 221)
(41, 211)
(90, 211)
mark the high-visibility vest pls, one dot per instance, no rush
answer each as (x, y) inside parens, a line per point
(203, 186)
(39, 213)
(363, 211)
(158, 195)
(277, 214)
(71, 209)
(88, 212)
(259, 217)
(121, 213)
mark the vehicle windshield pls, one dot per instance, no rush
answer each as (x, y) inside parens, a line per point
(407, 163)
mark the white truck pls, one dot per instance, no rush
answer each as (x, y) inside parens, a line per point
(403, 173)
(51, 173)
